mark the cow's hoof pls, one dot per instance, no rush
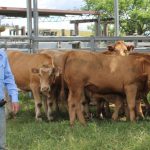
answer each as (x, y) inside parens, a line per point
(139, 117)
(84, 124)
(114, 118)
(39, 119)
(71, 125)
(51, 118)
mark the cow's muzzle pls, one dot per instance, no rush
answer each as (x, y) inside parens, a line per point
(45, 89)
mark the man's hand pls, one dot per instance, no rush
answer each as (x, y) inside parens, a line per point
(15, 107)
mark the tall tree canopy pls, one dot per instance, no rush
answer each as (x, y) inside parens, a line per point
(134, 15)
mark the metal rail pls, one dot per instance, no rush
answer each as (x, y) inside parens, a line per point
(27, 42)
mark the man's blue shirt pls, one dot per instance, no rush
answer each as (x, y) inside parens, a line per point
(7, 78)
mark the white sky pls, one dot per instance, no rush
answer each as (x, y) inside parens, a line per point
(48, 4)
(51, 4)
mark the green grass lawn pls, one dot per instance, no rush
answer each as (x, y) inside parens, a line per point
(24, 133)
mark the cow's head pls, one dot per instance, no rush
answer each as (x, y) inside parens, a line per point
(47, 76)
(121, 48)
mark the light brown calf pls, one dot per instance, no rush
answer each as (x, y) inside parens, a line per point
(36, 73)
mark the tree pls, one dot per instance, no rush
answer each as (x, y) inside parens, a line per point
(2, 28)
(133, 14)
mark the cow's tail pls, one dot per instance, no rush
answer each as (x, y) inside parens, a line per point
(62, 91)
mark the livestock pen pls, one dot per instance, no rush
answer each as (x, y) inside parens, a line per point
(24, 133)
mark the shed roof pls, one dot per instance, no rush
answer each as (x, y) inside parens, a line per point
(21, 12)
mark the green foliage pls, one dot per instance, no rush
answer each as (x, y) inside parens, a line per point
(2, 28)
(134, 14)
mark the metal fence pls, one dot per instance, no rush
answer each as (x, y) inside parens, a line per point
(24, 42)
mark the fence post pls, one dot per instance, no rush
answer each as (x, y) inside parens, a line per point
(92, 43)
(29, 22)
(5, 45)
(135, 43)
(35, 16)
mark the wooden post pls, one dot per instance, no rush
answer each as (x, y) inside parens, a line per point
(23, 30)
(105, 29)
(17, 29)
(63, 32)
(71, 32)
(76, 29)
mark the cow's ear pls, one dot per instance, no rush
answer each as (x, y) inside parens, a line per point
(130, 48)
(35, 70)
(110, 47)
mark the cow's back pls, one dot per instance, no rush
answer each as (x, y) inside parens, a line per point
(21, 65)
(57, 56)
(99, 69)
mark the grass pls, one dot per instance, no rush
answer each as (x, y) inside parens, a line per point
(24, 133)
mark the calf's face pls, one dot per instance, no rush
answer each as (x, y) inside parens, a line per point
(121, 48)
(47, 76)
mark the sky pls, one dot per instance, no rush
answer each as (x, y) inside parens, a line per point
(51, 4)
(47, 4)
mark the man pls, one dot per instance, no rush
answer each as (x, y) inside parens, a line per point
(7, 80)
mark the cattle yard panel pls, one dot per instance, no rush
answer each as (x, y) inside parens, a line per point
(20, 42)
(32, 39)
(95, 39)
(24, 42)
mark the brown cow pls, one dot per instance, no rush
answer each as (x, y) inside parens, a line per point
(34, 72)
(119, 48)
(56, 96)
(57, 56)
(103, 74)
(144, 95)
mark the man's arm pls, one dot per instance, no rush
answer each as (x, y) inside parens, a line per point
(10, 85)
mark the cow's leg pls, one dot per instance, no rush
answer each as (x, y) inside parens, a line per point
(85, 104)
(131, 91)
(74, 103)
(118, 105)
(107, 113)
(85, 107)
(71, 106)
(81, 108)
(38, 102)
(139, 109)
(147, 106)
(44, 100)
(51, 107)
(100, 107)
